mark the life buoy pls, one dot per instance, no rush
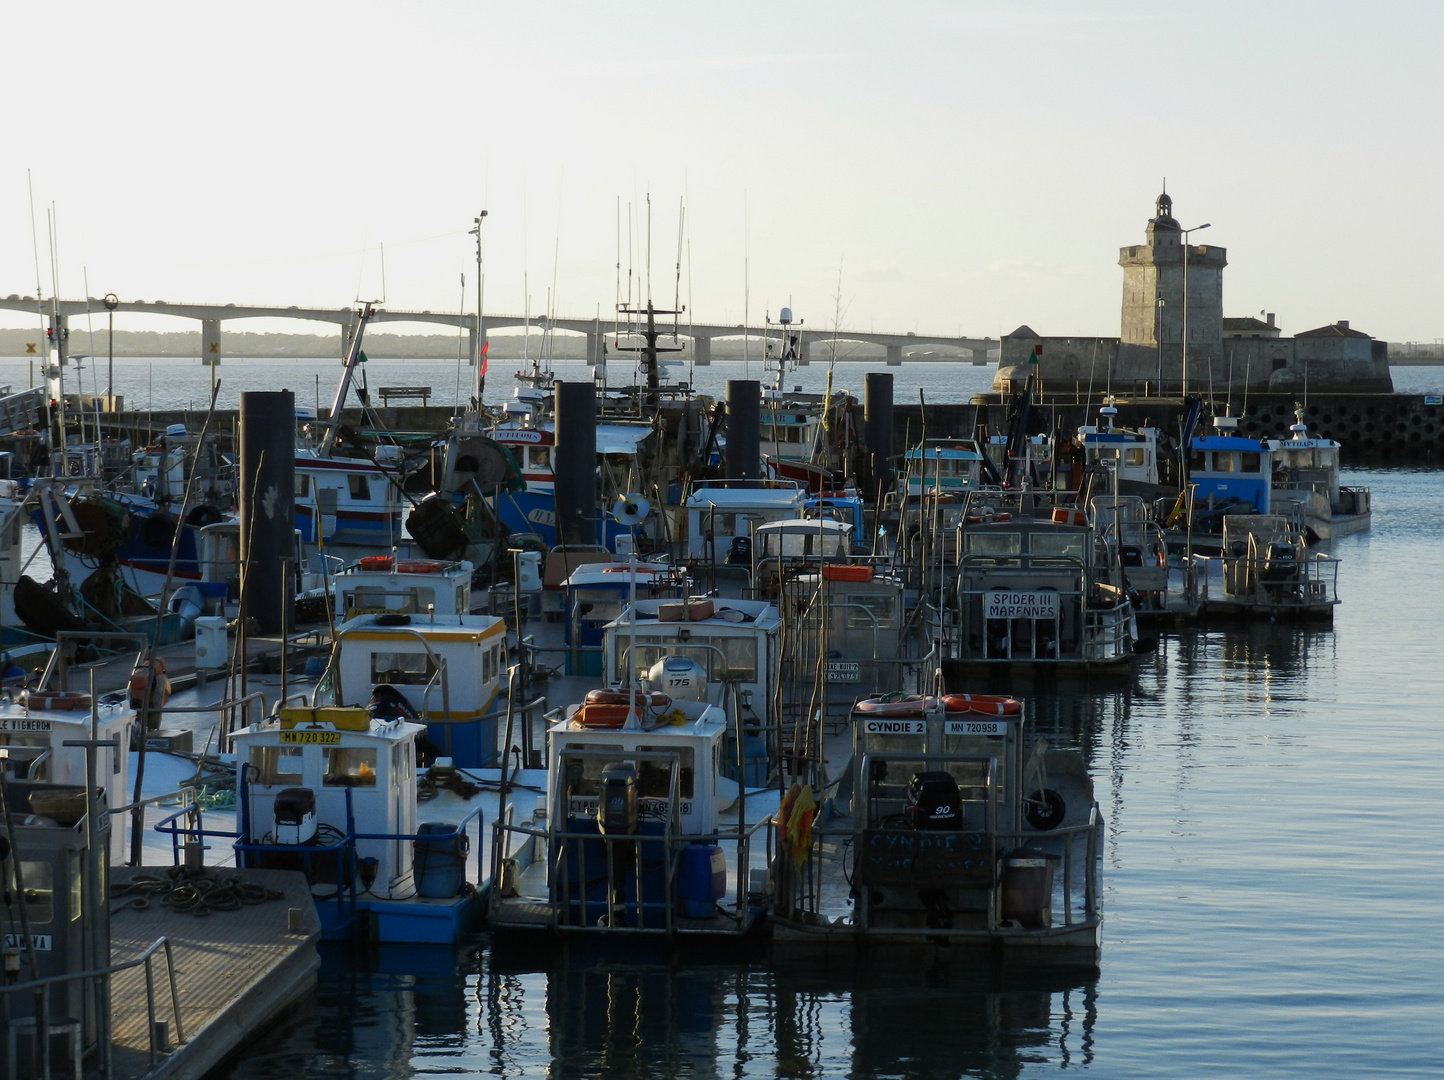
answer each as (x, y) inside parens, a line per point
(982, 704)
(602, 716)
(893, 705)
(656, 699)
(794, 822)
(154, 675)
(203, 515)
(61, 701)
(420, 566)
(376, 562)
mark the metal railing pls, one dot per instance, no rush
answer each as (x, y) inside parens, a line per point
(42, 1014)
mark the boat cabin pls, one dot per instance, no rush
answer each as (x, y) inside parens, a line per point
(950, 469)
(447, 670)
(354, 501)
(783, 549)
(1227, 468)
(863, 637)
(1306, 462)
(1040, 590)
(36, 724)
(722, 519)
(596, 593)
(382, 583)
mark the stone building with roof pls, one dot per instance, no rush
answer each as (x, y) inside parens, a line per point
(1172, 290)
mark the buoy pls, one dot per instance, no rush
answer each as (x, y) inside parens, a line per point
(982, 704)
(51, 699)
(420, 566)
(155, 676)
(376, 562)
(893, 705)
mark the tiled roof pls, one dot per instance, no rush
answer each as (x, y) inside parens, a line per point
(1247, 323)
(1334, 330)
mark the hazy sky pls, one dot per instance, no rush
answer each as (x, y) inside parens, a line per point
(939, 167)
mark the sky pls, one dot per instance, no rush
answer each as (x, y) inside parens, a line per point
(943, 168)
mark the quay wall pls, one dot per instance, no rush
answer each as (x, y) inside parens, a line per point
(1377, 428)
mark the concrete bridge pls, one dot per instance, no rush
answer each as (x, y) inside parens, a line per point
(701, 335)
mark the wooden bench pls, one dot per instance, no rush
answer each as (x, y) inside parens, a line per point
(389, 392)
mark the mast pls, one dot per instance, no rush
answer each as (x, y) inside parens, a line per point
(650, 350)
(353, 357)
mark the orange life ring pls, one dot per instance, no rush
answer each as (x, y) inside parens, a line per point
(656, 699)
(155, 676)
(911, 705)
(982, 704)
(420, 566)
(376, 562)
(62, 701)
(602, 716)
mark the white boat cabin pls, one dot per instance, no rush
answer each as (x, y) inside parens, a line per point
(718, 516)
(308, 765)
(381, 583)
(737, 642)
(950, 469)
(36, 724)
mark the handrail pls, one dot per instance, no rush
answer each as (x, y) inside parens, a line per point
(105, 972)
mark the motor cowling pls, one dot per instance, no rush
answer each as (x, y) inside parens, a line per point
(934, 802)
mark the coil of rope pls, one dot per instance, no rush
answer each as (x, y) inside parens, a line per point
(192, 891)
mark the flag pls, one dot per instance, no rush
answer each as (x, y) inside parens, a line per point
(1037, 354)
(481, 357)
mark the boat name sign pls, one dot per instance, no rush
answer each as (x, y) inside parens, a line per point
(23, 723)
(38, 942)
(841, 670)
(895, 726)
(1017, 604)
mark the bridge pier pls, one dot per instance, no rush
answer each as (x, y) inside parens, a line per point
(594, 352)
(701, 351)
(804, 352)
(894, 356)
(210, 342)
(980, 357)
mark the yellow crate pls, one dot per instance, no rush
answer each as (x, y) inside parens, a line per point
(347, 718)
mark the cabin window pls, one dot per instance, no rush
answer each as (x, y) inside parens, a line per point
(1133, 456)
(718, 523)
(400, 768)
(76, 900)
(993, 543)
(654, 777)
(1196, 461)
(738, 653)
(39, 891)
(402, 668)
(278, 765)
(1222, 461)
(349, 766)
(871, 610)
(463, 602)
(303, 485)
(360, 486)
(583, 775)
(1249, 462)
(1057, 544)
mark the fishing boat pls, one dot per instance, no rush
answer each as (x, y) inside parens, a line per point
(1125, 460)
(643, 829)
(1306, 488)
(963, 828)
(1037, 586)
(1265, 569)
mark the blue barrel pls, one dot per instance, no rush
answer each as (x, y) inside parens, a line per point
(701, 880)
(438, 863)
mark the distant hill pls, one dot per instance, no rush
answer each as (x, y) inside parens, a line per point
(183, 343)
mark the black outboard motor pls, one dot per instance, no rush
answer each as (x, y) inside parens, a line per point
(934, 802)
(387, 704)
(739, 552)
(617, 819)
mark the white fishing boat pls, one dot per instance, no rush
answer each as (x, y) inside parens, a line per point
(1306, 487)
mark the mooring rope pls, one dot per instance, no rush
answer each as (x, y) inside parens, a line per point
(192, 892)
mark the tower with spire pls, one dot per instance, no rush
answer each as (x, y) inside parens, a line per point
(1153, 272)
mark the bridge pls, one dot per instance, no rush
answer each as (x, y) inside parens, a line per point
(700, 335)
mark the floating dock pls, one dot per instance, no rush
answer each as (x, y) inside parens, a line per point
(235, 972)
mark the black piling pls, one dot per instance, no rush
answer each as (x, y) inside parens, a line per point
(877, 428)
(268, 505)
(574, 462)
(744, 434)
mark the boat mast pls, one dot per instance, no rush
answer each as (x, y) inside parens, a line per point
(353, 357)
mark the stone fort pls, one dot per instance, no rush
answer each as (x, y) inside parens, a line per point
(1173, 289)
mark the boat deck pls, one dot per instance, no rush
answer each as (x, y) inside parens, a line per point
(235, 972)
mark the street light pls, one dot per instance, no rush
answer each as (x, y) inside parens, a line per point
(1185, 233)
(111, 303)
(1158, 306)
(480, 324)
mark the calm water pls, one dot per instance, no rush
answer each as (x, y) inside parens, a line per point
(1274, 893)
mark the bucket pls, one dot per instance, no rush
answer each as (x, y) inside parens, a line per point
(701, 880)
(439, 861)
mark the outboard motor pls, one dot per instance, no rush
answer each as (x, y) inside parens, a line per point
(679, 677)
(934, 802)
(295, 816)
(387, 704)
(739, 551)
(617, 818)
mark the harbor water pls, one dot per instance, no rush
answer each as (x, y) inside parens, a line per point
(1273, 873)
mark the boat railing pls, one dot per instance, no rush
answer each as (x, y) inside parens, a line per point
(101, 976)
(1264, 574)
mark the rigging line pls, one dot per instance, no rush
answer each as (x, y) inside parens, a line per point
(677, 287)
(460, 341)
(383, 272)
(691, 325)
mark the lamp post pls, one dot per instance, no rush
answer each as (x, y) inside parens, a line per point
(111, 303)
(480, 323)
(1185, 233)
(1158, 306)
